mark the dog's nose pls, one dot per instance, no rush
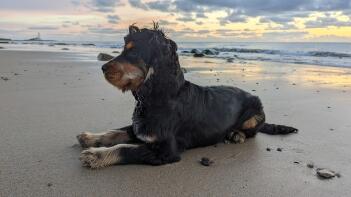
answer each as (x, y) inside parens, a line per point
(104, 68)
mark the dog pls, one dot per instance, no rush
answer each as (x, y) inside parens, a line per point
(171, 114)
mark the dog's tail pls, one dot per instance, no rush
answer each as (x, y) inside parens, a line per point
(273, 129)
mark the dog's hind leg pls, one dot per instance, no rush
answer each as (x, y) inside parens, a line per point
(248, 129)
(110, 138)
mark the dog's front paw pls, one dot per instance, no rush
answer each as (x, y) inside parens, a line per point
(98, 157)
(237, 137)
(87, 139)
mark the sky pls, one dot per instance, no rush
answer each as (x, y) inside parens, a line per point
(182, 20)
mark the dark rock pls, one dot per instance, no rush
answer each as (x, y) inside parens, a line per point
(206, 161)
(268, 149)
(60, 43)
(185, 51)
(49, 184)
(88, 44)
(199, 55)
(115, 51)
(296, 162)
(310, 165)
(195, 51)
(65, 49)
(230, 60)
(279, 149)
(325, 173)
(5, 78)
(104, 57)
(210, 52)
(1, 47)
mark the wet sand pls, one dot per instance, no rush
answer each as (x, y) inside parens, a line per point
(50, 97)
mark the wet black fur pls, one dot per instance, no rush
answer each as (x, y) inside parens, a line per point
(181, 115)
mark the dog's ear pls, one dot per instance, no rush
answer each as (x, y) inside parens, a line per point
(174, 46)
(133, 29)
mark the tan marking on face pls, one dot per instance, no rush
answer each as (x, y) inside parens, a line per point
(102, 156)
(124, 76)
(129, 45)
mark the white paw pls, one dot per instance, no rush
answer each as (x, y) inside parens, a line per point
(87, 139)
(98, 157)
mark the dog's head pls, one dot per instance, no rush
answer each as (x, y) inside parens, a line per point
(146, 52)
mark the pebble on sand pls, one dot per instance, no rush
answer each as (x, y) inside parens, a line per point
(206, 161)
(268, 149)
(310, 165)
(5, 78)
(279, 149)
(326, 173)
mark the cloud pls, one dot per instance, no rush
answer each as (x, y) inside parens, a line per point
(43, 28)
(186, 18)
(66, 24)
(106, 30)
(277, 11)
(233, 18)
(321, 22)
(199, 22)
(113, 19)
(284, 35)
(165, 23)
(138, 4)
(201, 15)
(160, 5)
(105, 5)
(99, 5)
(257, 7)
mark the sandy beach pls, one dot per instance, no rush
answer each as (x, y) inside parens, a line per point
(47, 98)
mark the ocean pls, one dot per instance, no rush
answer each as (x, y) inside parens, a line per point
(322, 54)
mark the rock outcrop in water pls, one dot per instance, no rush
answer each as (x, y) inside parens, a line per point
(210, 52)
(199, 55)
(104, 57)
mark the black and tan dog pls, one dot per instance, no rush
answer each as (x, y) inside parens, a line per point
(171, 114)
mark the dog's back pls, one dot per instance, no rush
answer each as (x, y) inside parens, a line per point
(209, 113)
